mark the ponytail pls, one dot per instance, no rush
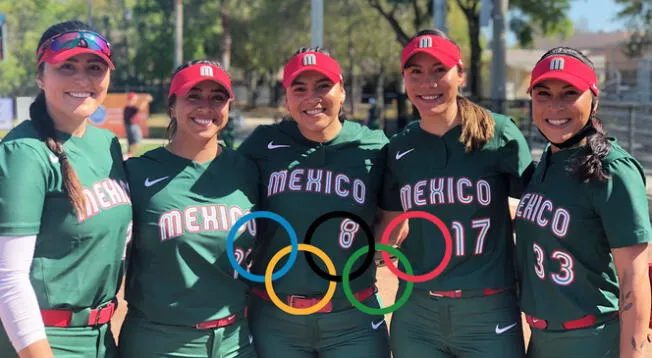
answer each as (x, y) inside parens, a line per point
(477, 124)
(589, 167)
(45, 127)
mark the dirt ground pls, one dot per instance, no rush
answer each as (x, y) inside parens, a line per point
(387, 284)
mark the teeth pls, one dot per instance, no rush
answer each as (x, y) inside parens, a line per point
(430, 98)
(80, 94)
(203, 121)
(315, 111)
(558, 122)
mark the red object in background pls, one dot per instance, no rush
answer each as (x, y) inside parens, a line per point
(113, 112)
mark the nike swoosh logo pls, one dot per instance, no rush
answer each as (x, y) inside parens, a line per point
(378, 324)
(400, 155)
(149, 183)
(504, 329)
(271, 145)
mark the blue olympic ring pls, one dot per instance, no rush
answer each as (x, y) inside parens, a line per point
(294, 242)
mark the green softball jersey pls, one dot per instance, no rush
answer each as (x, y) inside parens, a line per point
(468, 191)
(178, 270)
(77, 262)
(565, 230)
(303, 180)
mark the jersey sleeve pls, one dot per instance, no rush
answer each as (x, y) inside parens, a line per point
(515, 158)
(621, 203)
(23, 184)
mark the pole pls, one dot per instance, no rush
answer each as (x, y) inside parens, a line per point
(178, 39)
(439, 12)
(498, 67)
(317, 23)
(89, 9)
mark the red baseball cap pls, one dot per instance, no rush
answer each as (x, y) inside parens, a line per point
(565, 68)
(436, 46)
(311, 61)
(190, 76)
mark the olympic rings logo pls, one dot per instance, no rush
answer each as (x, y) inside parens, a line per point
(346, 276)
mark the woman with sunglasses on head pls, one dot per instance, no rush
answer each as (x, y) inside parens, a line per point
(460, 163)
(65, 212)
(184, 297)
(312, 165)
(582, 226)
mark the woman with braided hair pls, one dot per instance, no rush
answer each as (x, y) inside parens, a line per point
(65, 211)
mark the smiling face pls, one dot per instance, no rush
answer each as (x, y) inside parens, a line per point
(430, 86)
(202, 112)
(74, 88)
(314, 102)
(560, 110)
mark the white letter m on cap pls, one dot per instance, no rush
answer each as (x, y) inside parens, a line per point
(309, 59)
(557, 63)
(425, 42)
(206, 71)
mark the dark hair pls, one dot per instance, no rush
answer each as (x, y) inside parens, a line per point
(477, 123)
(588, 167)
(44, 124)
(341, 116)
(171, 130)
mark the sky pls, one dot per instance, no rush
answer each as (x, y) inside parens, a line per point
(596, 15)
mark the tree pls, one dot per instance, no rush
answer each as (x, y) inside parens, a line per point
(26, 21)
(532, 16)
(638, 13)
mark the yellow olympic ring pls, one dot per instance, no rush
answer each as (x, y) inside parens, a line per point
(270, 288)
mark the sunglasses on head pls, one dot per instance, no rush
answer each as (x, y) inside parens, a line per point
(70, 40)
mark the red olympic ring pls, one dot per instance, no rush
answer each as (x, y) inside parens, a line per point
(448, 252)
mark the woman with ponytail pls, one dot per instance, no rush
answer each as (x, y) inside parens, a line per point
(460, 163)
(65, 212)
(582, 226)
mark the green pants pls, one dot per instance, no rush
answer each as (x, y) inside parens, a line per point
(347, 333)
(140, 338)
(71, 342)
(602, 341)
(482, 327)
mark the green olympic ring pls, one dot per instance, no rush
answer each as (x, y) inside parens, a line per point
(349, 293)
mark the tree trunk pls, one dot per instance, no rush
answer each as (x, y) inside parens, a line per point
(475, 80)
(226, 37)
(380, 96)
(252, 88)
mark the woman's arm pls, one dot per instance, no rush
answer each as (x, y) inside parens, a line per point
(398, 234)
(632, 269)
(19, 310)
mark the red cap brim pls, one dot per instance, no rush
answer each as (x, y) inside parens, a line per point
(311, 61)
(445, 51)
(190, 76)
(54, 57)
(565, 68)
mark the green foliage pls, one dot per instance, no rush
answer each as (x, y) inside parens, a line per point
(638, 14)
(532, 18)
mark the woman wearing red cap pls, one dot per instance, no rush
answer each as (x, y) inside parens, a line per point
(313, 164)
(184, 297)
(582, 224)
(65, 212)
(460, 163)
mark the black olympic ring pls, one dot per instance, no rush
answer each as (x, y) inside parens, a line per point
(369, 258)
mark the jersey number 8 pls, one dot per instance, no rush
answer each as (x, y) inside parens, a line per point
(348, 230)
